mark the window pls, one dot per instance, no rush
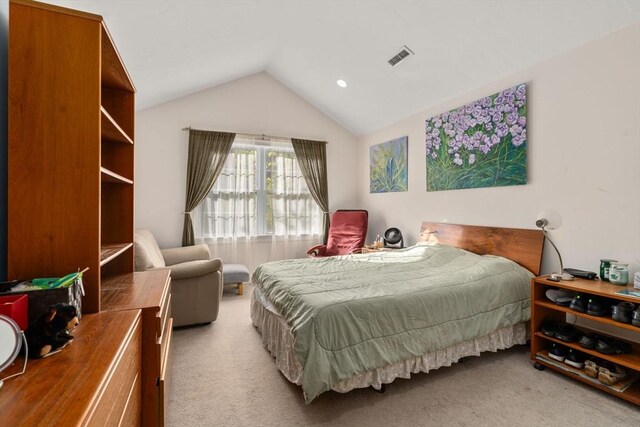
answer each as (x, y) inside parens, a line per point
(260, 192)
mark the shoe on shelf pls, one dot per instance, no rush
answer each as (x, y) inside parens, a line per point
(623, 312)
(598, 307)
(558, 352)
(579, 303)
(568, 333)
(560, 296)
(610, 345)
(610, 373)
(551, 327)
(592, 366)
(635, 319)
(575, 359)
(589, 340)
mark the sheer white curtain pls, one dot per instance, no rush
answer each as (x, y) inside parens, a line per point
(230, 208)
(260, 194)
(293, 209)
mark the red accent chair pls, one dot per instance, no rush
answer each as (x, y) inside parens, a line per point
(347, 233)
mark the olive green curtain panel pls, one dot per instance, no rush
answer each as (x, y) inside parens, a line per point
(208, 151)
(312, 158)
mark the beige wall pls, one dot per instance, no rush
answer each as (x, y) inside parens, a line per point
(583, 159)
(255, 104)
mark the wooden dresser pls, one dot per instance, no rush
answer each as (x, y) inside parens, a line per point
(94, 381)
(149, 291)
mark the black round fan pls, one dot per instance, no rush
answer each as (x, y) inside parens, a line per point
(393, 238)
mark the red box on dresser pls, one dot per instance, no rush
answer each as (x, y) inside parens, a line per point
(17, 308)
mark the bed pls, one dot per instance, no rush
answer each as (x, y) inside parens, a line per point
(363, 320)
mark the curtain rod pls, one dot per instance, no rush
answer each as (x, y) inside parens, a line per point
(262, 137)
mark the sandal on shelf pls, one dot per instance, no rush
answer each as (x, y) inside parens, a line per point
(609, 345)
(592, 367)
(610, 373)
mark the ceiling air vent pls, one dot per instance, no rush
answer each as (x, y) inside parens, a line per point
(404, 53)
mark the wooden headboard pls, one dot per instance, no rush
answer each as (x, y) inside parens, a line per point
(518, 244)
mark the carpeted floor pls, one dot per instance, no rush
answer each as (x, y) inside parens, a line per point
(222, 376)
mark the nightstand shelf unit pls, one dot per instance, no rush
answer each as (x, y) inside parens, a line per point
(543, 310)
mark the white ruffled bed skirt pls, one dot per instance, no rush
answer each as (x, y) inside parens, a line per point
(277, 338)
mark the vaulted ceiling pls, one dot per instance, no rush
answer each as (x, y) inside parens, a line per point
(173, 48)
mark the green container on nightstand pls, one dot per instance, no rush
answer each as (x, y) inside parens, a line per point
(605, 265)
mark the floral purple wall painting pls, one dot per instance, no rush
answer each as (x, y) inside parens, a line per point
(388, 166)
(481, 144)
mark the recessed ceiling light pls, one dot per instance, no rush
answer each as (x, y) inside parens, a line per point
(341, 83)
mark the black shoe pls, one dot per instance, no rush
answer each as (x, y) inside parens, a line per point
(598, 307)
(568, 333)
(589, 340)
(635, 320)
(558, 352)
(622, 312)
(579, 303)
(575, 359)
(551, 327)
(609, 345)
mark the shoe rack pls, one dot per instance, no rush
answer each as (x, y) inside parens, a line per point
(542, 309)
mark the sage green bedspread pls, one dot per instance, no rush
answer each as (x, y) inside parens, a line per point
(355, 313)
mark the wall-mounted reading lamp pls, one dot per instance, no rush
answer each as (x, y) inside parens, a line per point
(551, 220)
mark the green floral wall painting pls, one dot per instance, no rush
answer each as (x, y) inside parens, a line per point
(388, 166)
(481, 144)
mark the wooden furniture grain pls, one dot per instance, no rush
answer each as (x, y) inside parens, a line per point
(366, 250)
(149, 291)
(94, 381)
(71, 129)
(523, 246)
(70, 169)
(542, 309)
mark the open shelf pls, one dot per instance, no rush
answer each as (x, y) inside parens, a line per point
(630, 360)
(114, 74)
(108, 176)
(631, 394)
(110, 252)
(110, 129)
(605, 320)
(591, 287)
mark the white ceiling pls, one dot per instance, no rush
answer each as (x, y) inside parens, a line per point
(173, 48)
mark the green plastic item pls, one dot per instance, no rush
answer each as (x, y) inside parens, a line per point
(55, 282)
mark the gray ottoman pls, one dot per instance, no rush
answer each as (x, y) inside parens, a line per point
(236, 274)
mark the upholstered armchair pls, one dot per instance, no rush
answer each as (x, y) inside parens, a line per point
(347, 233)
(196, 279)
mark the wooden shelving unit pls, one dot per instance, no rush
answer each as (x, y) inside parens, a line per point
(542, 309)
(71, 128)
(111, 130)
(109, 176)
(71, 196)
(110, 252)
